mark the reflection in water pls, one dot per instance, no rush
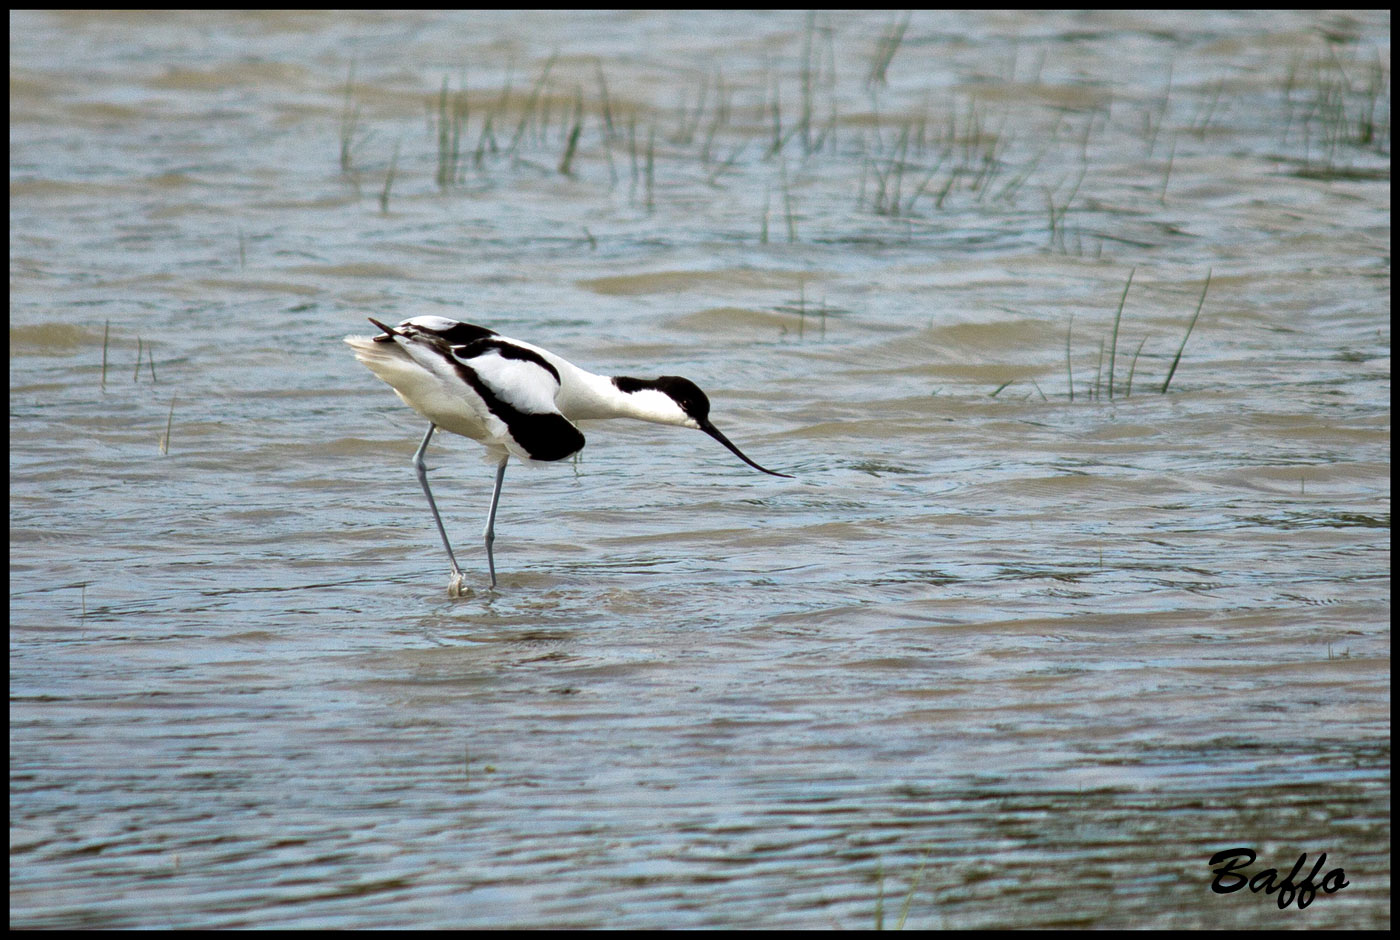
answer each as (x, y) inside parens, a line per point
(1035, 655)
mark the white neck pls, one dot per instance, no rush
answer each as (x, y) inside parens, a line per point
(586, 396)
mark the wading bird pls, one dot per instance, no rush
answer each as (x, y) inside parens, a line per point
(515, 398)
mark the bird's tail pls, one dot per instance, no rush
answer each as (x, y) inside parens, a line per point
(385, 360)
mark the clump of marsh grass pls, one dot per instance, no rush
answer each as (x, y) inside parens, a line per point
(452, 114)
(909, 162)
(1109, 345)
(487, 137)
(889, 178)
(527, 116)
(1332, 111)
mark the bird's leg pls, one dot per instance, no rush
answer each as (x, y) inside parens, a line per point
(456, 585)
(490, 534)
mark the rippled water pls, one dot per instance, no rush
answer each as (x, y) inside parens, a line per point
(1021, 657)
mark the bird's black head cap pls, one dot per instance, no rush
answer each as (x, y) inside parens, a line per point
(683, 392)
(686, 394)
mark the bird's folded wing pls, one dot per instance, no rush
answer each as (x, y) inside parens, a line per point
(518, 386)
(526, 384)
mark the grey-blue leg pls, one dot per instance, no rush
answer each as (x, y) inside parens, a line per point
(490, 533)
(455, 585)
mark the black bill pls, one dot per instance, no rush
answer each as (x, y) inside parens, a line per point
(713, 431)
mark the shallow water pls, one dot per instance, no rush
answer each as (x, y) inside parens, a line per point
(1024, 658)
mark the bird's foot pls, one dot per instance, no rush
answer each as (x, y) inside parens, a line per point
(457, 585)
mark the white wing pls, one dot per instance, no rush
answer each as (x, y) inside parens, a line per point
(524, 384)
(518, 386)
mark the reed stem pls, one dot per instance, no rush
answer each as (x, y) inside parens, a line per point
(1189, 327)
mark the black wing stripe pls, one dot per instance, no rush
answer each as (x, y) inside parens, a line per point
(463, 333)
(542, 436)
(506, 351)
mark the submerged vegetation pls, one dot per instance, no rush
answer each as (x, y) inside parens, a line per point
(1023, 151)
(1109, 346)
(1014, 140)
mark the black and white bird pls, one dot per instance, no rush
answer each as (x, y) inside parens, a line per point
(515, 398)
